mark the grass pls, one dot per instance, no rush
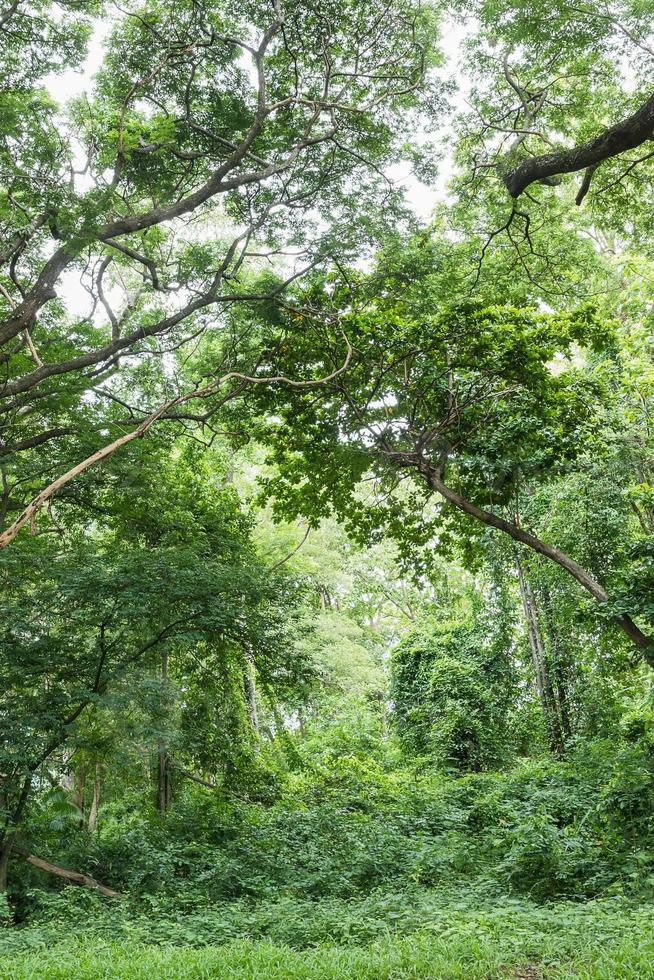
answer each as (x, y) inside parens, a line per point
(602, 941)
(420, 956)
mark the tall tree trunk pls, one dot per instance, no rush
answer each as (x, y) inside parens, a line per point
(95, 800)
(164, 785)
(79, 789)
(9, 834)
(543, 679)
(251, 686)
(251, 696)
(5, 854)
(561, 666)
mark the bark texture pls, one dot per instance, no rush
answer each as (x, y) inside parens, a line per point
(625, 135)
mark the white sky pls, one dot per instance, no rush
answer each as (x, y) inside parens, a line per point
(72, 83)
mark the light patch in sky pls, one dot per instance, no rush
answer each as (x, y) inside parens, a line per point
(72, 83)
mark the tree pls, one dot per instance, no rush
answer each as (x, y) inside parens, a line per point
(461, 398)
(219, 155)
(552, 95)
(163, 570)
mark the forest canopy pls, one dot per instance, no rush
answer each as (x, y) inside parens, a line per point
(327, 486)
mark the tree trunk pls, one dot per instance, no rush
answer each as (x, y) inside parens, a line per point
(79, 789)
(251, 694)
(561, 666)
(8, 838)
(543, 679)
(95, 800)
(164, 785)
(5, 855)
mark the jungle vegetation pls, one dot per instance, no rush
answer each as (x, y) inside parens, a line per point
(326, 488)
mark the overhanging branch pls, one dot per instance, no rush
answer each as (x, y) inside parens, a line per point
(434, 479)
(35, 505)
(625, 135)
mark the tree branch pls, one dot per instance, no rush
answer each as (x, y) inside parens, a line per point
(76, 877)
(569, 565)
(624, 135)
(7, 536)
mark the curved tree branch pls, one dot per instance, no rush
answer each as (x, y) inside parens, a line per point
(282, 561)
(35, 505)
(569, 565)
(624, 135)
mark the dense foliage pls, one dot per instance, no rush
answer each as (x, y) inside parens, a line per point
(326, 490)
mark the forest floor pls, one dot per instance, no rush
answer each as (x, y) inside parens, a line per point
(359, 875)
(546, 943)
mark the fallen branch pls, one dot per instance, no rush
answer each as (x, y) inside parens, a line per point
(76, 877)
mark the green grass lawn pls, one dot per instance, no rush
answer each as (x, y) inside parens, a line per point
(507, 945)
(418, 957)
